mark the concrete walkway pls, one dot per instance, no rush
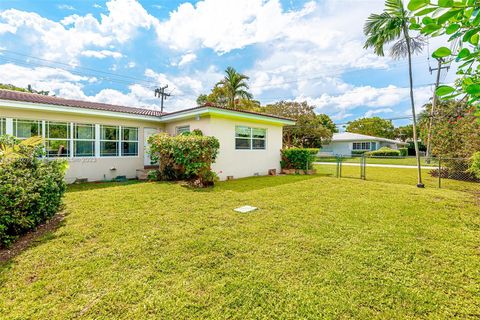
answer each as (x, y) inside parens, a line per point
(377, 165)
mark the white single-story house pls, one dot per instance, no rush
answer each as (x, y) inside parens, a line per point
(347, 143)
(103, 141)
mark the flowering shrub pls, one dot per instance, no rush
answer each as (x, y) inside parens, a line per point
(185, 157)
(31, 189)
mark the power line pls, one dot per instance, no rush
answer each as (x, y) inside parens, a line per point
(76, 67)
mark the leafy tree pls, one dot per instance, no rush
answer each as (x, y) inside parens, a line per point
(12, 87)
(327, 122)
(455, 130)
(234, 87)
(28, 89)
(392, 25)
(309, 130)
(460, 20)
(375, 126)
(218, 96)
(405, 133)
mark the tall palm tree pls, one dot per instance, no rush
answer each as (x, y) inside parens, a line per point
(235, 86)
(391, 26)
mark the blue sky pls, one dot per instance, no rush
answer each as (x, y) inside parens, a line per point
(118, 51)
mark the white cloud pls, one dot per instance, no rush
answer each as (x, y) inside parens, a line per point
(65, 7)
(185, 59)
(101, 54)
(97, 6)
(371, 113)
(226, 25)
(382, 100)
(131, 64)
(67, 39)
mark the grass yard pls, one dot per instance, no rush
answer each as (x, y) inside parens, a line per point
(397, 176)
(319, 247)
(406, 161)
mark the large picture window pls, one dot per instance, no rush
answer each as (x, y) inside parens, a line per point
(129, 141)
(361, 146)
(23, 129)
(247, 138)
(3, 126)
(109, 141)
(57, 139)
(83, 140)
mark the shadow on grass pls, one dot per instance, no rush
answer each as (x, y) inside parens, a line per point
(99, 185)
(257, 183)
(41, 234)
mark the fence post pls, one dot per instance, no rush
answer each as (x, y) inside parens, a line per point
(439, 172)
(363, 166)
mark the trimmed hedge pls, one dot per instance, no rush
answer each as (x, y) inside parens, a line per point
(383, 152)
(403, 152)
(31, 192)
(296, 158)
(358, 152)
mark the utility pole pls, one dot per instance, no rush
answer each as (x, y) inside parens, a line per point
(160, 92)
(434, 104)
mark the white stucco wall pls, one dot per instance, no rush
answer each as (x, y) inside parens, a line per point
(232, 162)
(92, 168)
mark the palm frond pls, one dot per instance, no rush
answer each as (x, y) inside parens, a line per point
(399, 49)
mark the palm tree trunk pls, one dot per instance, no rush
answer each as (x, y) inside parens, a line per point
(414, 116)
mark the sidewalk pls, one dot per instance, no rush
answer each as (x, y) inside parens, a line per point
(377, 165)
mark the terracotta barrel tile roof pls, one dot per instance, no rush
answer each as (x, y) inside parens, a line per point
(42, 99)
(38, 98)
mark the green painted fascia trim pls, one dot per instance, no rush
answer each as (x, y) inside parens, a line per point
(229, 114)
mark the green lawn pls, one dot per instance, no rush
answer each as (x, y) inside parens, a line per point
(397, 176)
(318, 247)
(407, 161)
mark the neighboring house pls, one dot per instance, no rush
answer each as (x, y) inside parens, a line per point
(347, 143)
(102, 141)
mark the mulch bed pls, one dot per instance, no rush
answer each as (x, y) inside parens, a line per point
(27, 240)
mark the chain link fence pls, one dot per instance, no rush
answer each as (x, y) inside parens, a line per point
(451, 173)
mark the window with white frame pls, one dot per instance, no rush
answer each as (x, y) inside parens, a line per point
(57, 139)
(109, 141)
(83, 140)
(129, 141)
(361, 146)
(247, 138)
(181, 129)
(3, 126)
(23, 129)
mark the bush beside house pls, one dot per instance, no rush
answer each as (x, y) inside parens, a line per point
(296, 160)
(383, 152)
(185, 157)
(32, 188)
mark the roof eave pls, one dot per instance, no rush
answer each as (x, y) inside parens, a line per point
(76, 110)
(224, 112)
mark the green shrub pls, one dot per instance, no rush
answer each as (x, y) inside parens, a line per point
(296, 158)
(383, 152)
(475, 165)
(185, 157)
(358, 152)
(31, 192)
(403, 152)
